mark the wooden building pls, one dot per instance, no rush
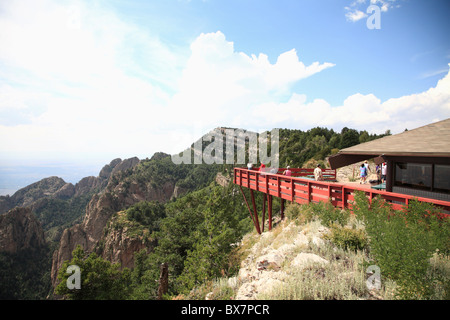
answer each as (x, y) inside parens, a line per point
(418, 160)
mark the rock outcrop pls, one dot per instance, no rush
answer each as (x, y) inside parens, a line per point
(119, 242)
(55, 187)
(272, 259)
(25, 197)
(117, 196)
(19, 230)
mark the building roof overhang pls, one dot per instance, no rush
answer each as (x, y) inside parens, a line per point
(428, 141)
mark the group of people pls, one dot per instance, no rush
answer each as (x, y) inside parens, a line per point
(365, 170)
(263, 169)
(318, 176)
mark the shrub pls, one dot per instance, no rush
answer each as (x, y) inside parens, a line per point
(301, 213)
(100, 279)
(347, 238)
(340, 279)
(403, 241)
(330, 215)
(147, 213)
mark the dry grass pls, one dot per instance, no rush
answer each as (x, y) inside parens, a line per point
(343, 278)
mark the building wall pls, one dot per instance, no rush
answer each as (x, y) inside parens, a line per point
(422, 193)
(404, 176)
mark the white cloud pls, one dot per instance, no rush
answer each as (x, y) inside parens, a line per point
(362, 112)
(357, 8)
(354, 15)
(433, 73)
(80, 82)
(74, 85)
(219, 82)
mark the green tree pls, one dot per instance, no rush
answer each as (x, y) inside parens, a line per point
(147, 213)
(349, 137)
(100, 279)
(218, 230)
(364, 137)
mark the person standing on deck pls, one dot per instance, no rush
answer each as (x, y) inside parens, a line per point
(288, 171)
(262, 169)
(318, 173)
(363, 173)
(383, 172)
(366, 164)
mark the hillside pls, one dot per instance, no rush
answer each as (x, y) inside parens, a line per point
(92, 214)
(322, 253)
(24, 256)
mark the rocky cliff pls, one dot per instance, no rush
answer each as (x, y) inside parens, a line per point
(122, 238)
(119, 194)
(55, 187)
(19, 230)
(26, 196)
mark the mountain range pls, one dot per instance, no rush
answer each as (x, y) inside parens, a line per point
(43, 223)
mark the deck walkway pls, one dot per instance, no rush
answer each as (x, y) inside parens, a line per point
(302, 189)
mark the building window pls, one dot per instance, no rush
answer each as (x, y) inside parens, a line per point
(441, 178)
(413, 175)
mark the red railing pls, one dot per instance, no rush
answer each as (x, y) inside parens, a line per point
(302, 190)
(328, 174)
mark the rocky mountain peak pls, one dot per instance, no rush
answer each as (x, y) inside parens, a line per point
(19, 229)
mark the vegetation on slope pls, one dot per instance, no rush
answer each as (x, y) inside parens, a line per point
(297, 147)
(191, 229)
(25, 274)
(200, 237)
(413, 263)
(193, 236)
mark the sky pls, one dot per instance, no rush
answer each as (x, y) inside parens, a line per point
(88, 81)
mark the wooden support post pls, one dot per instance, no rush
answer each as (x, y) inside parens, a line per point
(292, 191)
(250, 211)
(248, 179)
(344, 205)
(267, 184)
(257, 181)
(282, 209)
(263, 213)
(270, 211)
(256, 221)
(309, 192)
(278, 187)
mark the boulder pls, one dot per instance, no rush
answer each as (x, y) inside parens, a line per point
(271, 261)
(304, 259)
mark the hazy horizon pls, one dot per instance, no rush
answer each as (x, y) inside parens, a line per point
(13, 178)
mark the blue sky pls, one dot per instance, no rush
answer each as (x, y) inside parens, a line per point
(89, 81)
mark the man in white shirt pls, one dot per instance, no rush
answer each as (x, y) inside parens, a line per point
(383, 172)
(318, 173)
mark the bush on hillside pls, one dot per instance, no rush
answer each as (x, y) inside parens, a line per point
(403, 241)
(347, 238)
